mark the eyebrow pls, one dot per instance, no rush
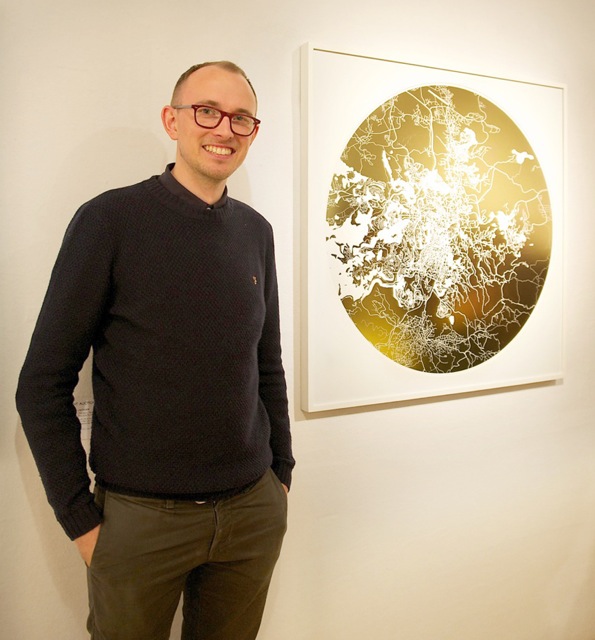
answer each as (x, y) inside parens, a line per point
(217, 105)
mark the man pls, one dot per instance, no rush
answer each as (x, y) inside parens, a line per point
(172, 284)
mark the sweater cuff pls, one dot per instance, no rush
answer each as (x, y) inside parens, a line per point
(81, 521)
(283, 471)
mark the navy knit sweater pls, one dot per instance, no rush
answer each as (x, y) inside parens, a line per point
(179, 303)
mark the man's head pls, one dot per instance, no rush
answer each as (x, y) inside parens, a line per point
(206, 157)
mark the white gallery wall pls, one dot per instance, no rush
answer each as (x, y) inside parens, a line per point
(461, 518)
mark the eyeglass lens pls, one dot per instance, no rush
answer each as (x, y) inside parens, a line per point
(209, 117)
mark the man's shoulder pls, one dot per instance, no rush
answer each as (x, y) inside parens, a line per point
(249, 212)
(120, 195)
(114, 205)
(108, 210)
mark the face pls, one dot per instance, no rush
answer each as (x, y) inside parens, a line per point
(210, 156)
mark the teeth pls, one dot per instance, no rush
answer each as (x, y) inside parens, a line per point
(220, 151)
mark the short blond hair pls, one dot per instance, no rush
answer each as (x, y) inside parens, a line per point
(223, 64)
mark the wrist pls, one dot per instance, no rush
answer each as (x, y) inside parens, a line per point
(82, 520)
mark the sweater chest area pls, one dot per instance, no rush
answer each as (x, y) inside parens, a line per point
(186, 273)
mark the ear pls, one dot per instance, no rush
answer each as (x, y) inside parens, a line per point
(254, 134)
(169, 118)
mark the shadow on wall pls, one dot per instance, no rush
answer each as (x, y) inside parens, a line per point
(110, 159)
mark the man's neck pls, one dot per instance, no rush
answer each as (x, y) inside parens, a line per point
(209, 191)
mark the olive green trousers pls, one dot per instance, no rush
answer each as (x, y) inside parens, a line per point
(218, 555)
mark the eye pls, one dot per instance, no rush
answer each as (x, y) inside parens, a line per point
(207, 112)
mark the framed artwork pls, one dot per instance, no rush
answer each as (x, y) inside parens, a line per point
(433, 212)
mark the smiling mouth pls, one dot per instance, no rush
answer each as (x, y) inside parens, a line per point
(219, 151)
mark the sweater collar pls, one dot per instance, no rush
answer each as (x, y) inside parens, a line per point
(177, 189)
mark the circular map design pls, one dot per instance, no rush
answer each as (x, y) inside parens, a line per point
(439, 229)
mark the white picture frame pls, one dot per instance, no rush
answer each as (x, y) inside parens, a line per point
(339, 367)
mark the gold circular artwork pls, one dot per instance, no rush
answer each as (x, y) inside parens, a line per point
(439, 229)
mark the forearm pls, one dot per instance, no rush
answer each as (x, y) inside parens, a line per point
(53, 433)
(66, 328)
(272, 386)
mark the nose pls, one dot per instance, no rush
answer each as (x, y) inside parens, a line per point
(224, 127)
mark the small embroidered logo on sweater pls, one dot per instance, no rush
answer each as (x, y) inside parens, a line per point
(254, 280)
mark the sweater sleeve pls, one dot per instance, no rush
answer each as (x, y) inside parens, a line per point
(272, 386)
(71, 312)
